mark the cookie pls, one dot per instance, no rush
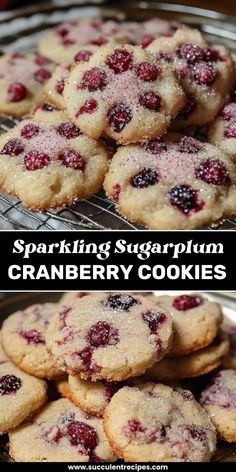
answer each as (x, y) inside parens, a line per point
(22, 77)
(109, 336)
(175, 182)
(61, 432)
(20, 394)
(64, 42)
(157, 423)
(50, 164)
(206, 74)
(219, 400)
(124, 92)
(48, 112)
(196, 322)
(23, 339)
(229, 362)
(223, 130)
(193, 365)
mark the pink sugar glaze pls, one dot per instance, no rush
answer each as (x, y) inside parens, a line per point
(123, 88)
(47, 141)
(18, 70)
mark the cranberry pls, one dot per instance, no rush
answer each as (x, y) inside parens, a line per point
(83, 56)
(117, 190)
(94, 79)
(229, 112)
(42, 74)
(184, 198)
(32, 336)
(148, 39)
(188, 108)
(41, 60)
(230, 131)
(213, 171)
(102, 334)
(145, 178)
(154, 319)
(196, 433)
(211, 55)
(151, 100)
(119, 116)
(86, 356)
(88, 107)
(134, 427)
(110, 389)
(120, 302)
(204, 74)
(120, 61)
(155, 146)
(68, 130)
(68, 41)
(81, 434)
(99, 41)
(147, 71)
(189, 145)
(183, 71)
(14, 147)
(165, 57)
(16, 92)
(29, 131)
(60, 85)
(186, 302)
(17, 55)
(9, 384)
(72, 158)
(191, 52)
(62, 31)
(35, 160)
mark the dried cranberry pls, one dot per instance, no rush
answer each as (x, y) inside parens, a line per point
(147, 71)
(211, 55)
(42, 74)
(184, 198)
(88, 107)
(94, 79)
(60, 85)
(117, 190)
(32, 336)
(196, 433)
(72, 158)
(99, 41)
(186, 302)
(62, 31)
(145, 178)
(68, 41)
(119, 116)
(29, 131)
(188, 108)
(81, 434)
(9, 384)
(133, 428)
(120, 302)
(14, 147)
(229, 112)
(83, 56)
(150, 100)
(16, 92)
(35, 160)
(102, 334)
(41, 60)
(120, 61)
(86, 356)
(230, 131)
(154, 319)
(148, 39)
(204, 74)
(155, 146)
(68, 130)
(189, 145)
(191, 52)
(213, 171)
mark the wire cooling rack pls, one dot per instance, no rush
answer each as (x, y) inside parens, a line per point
(21, 29)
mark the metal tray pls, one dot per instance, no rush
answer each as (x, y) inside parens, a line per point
(21, 29)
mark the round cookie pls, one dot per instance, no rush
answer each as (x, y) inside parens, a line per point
(196, 322)
(175, 182)
(22, 77)
(50, 164)
(109, 336)
(223, 130)
(20, 395)
(61, 432)
(206, 74)
(157, 423)
(124, 92)
(219, 400)
(48, 112)
(193, 365)
(229, 362)
(23, 339)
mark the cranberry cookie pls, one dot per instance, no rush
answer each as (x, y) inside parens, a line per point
(175, 182)
(48, 165)
(157, 423)
(223, 130)
(61, 432)
(219, 400)
(206, 74)
(109, 336)
(198, 363)
(22, 77)
(125, 93)
(23, 339)
(48, 112)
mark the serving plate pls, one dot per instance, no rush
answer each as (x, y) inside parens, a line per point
(21, 29)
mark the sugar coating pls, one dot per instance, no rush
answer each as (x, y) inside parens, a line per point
(155, 422)
(219, 400)
(96, 340)
(49, 436)
(56, 184)
(151, 205)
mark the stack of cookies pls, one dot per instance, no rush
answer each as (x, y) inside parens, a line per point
(117, 105)
(121, 353)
